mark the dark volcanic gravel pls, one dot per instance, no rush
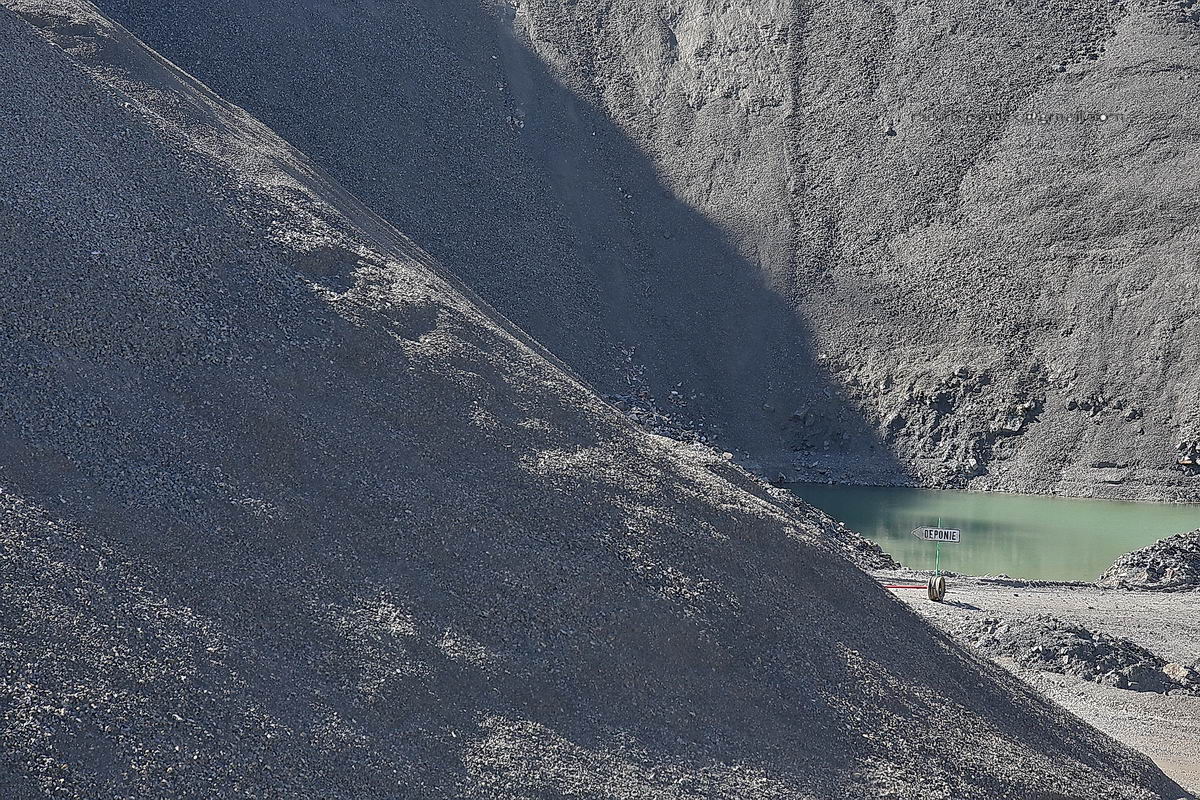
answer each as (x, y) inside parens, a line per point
(286, 513)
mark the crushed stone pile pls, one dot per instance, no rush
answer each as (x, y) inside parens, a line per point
(867, 554)
(286, 511)
(1049, 644)
(1170, 564)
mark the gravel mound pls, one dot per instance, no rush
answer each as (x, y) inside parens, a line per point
(1170, 564)
(285, 511)
(1049, 644)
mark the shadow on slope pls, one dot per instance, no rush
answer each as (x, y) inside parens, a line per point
(450, 128)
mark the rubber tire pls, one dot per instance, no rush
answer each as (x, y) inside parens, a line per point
(937, 588)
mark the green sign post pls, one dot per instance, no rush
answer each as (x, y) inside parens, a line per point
(938, 535)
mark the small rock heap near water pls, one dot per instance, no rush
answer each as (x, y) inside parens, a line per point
(1170, 564)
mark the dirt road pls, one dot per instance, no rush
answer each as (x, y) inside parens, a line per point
(1165, 727)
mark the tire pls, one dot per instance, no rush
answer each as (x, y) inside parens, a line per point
(937, 588)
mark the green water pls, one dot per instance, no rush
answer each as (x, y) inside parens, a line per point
(1025, 537)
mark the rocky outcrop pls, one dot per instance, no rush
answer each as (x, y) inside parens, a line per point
(1189, 456)
(1170, 564)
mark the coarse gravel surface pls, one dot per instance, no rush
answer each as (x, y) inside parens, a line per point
(1165, 726)
(950, 243)
(1170, 564)
(286, 512)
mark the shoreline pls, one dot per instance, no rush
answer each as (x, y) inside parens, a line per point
(1187, 497)
(790, 485)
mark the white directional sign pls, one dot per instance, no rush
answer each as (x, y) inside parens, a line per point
(938, 534)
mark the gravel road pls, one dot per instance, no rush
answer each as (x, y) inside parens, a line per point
(1164, 727)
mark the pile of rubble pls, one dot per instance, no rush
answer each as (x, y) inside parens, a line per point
(1049, 644)
(1170, 564)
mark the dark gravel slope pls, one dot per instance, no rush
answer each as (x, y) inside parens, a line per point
(870, 241)
(284, 513)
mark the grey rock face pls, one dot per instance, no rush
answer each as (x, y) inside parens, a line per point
(1169, 564)
(285, 512)
(961, 237)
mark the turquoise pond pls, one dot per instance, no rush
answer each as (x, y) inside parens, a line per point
(1023, 536)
